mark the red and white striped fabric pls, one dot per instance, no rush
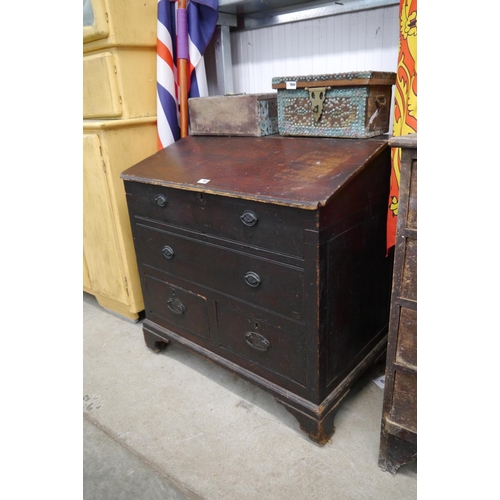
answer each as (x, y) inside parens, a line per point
(201, 19)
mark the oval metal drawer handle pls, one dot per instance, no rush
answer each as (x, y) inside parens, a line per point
(176, 306)
(257, 341)
(252, 279)
(167, 252)
(249, 218)
(161, 200)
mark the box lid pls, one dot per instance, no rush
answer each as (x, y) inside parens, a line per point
(300, 172)
(242, 96)
(359, 78)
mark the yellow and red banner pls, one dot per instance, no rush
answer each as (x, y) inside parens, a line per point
(405, 112)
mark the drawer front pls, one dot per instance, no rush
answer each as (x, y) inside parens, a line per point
(101, 94)
(404, 403)
(177, 309)
(262, 282)
(406, 350)
(274, 227)
(409, 276)
(411, 220)
(261, 347)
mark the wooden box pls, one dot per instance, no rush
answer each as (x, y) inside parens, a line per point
(238, 115)
(398, 439)
(355, 105)
(267, 256)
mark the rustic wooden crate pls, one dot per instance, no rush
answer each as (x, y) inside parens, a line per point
(238, 114)
(355, 105)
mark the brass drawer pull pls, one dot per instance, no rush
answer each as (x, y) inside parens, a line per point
(161, 200)
(176, 306)
(257, 341)
(252, 279)
(167, 252)
(249, 218)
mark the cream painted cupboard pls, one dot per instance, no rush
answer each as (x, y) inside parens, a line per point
(119, 130)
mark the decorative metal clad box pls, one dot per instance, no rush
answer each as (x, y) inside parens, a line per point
(234, 114)
(353, 105)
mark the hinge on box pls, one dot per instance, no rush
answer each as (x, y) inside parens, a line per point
(317, 98)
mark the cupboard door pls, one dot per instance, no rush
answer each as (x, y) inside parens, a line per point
(101, 245)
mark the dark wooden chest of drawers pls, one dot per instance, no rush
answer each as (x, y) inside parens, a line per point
(398, 440)
(267, 256)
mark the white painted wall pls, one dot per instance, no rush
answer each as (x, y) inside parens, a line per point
(357, 41)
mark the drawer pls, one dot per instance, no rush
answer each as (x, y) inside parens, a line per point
(101, 93)
(274, 227)
(404, 403)
(120, 83)
(411, 220)
(262, 282)
(409, 275)
(406, 350)
(177, 309)
(261, 347)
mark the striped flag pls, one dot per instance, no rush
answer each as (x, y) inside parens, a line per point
(405, 111)
(202, 19)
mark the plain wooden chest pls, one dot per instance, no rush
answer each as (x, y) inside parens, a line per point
(253, 115)
(267, 256)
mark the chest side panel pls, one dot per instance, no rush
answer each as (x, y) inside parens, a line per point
(357, 277)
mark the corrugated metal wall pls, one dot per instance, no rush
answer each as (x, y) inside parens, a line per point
(357, 41)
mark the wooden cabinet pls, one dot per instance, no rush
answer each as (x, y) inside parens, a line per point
(267, 256)
(110, 266)
(398, 442)
(119, 129)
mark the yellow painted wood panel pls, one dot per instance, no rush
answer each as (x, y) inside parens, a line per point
(100, 240)
(87, 285)
(119, 83)
(101, 94)
(100, 27)
(123, 143)
(130, 22)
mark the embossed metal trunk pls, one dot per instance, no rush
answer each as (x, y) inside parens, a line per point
(239, 115)
(353, 105)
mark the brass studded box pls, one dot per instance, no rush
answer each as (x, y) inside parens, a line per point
(354, 105)
(267, 256)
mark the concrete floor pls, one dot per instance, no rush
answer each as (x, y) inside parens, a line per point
(175, 426)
